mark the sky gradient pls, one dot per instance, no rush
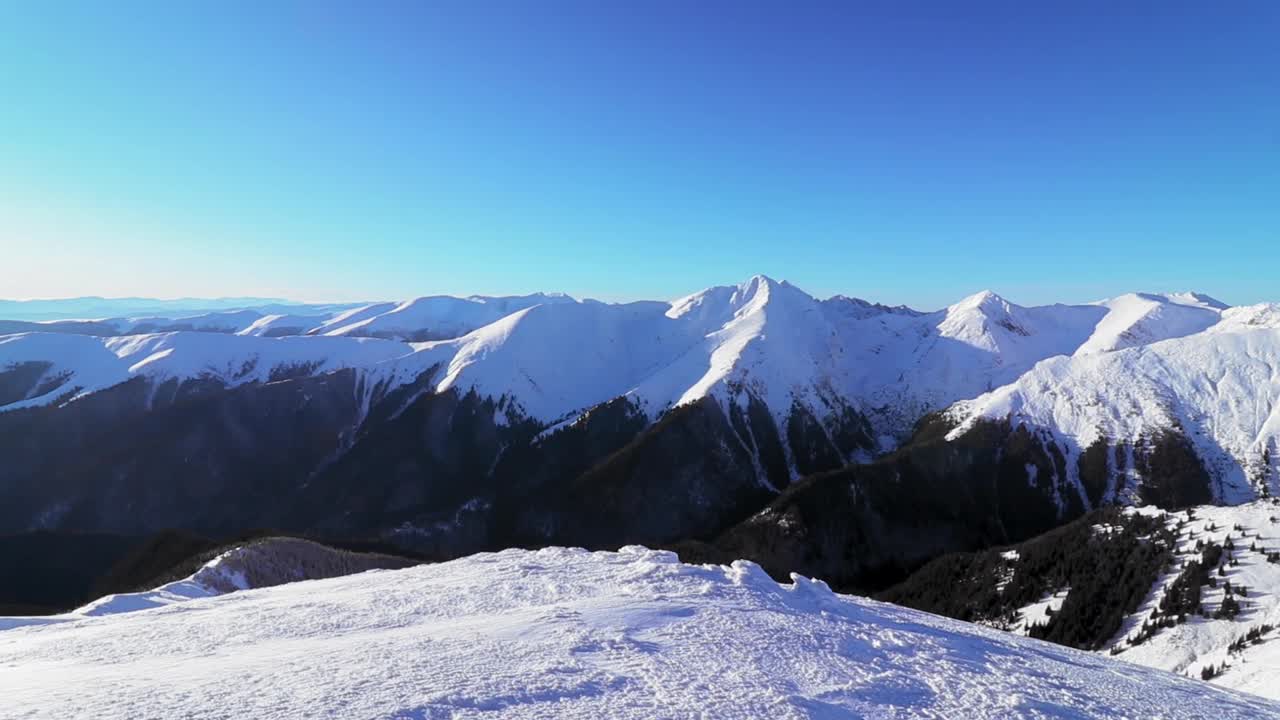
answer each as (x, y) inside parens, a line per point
(906, 152)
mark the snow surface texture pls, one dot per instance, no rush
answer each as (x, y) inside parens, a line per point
(553, 358)
(569, 634)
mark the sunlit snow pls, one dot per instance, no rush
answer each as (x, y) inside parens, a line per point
(569, 634)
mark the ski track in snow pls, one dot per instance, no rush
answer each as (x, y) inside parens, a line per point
(569, 634)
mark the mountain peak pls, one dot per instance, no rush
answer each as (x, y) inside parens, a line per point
(986, 302)
(727, 300)
(1195, 298)
(760, 282)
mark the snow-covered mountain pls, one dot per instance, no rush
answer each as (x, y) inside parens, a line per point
(66, 367)
(838, 438)
(436, 317)
(1216, 391)
(1141, 318)
(716, 401)
(418, 319)
(553, 356)
(567, 633)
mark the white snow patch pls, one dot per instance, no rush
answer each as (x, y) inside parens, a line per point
(1038, 613)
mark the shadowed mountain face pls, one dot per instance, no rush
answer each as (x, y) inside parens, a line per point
(447, 473)
(867, 525)
(1109, 559)
(432, 470)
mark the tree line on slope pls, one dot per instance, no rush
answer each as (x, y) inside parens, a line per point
(1108, 559)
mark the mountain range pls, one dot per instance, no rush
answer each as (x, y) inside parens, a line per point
(1099, 475)
(837, 437)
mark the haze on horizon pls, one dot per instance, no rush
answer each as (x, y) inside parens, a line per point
(321, 151)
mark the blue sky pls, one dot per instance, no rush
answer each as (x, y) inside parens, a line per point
(902, 151)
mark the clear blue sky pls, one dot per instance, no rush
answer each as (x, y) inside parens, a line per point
(902, 151)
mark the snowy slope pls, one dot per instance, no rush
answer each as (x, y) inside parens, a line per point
(554, 359)
(438, 316)
(83, 364)
(1249, 563)
(1177, 622)
(1188, 647)
(557, 360)
(568, 634)
(229, 321)
(903, 366)
(250, 321)
(353, 316)
(1220, 387)
(420, 318)
(284, 324)
(1143, 318)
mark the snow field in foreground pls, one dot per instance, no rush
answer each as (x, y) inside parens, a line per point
(567, 633)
